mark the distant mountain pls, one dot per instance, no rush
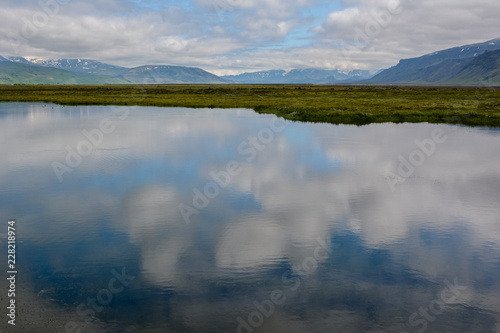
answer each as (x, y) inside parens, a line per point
(141, 75)
(298, 76)
(159, 74)
(436, 68)
(75, 65)
(20, 73)
(170, 75)
(85, 71)
(360, 74)
(272, 76)
(476, 64)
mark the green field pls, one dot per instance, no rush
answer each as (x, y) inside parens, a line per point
(331, 104)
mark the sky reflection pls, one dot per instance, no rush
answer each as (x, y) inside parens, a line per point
(389, 252)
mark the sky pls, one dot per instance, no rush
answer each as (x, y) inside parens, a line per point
(235, 36)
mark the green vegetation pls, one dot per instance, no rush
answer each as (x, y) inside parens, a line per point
(333, 104)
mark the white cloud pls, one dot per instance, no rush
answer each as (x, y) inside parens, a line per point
(387, 31)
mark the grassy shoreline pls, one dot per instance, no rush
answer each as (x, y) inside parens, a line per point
(357, 105)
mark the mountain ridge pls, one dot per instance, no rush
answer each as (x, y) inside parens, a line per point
(166, 74)
(439, 67)
(298, 76)
(86, 66)
(74, 71)
(20, 73)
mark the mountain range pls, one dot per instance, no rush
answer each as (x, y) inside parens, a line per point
(299, 76)
(475, 64)
(18, 70)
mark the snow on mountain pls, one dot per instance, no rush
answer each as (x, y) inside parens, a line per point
(73, 65)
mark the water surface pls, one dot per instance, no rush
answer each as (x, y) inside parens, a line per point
(141, 219)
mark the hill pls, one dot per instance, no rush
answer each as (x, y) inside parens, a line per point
(170, 75)
(18, 73)
(86, 66)
(18, 70)
(299, 76)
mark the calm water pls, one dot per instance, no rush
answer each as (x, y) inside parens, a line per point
(135, 219)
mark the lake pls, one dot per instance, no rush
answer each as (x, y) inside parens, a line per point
(143, 219)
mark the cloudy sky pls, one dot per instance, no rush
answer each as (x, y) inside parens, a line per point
(233, 36)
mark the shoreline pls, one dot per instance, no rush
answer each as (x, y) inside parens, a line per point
(350, 105)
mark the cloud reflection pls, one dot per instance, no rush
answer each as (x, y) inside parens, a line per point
(313, 181)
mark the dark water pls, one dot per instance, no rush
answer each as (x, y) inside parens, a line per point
(134, 219)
